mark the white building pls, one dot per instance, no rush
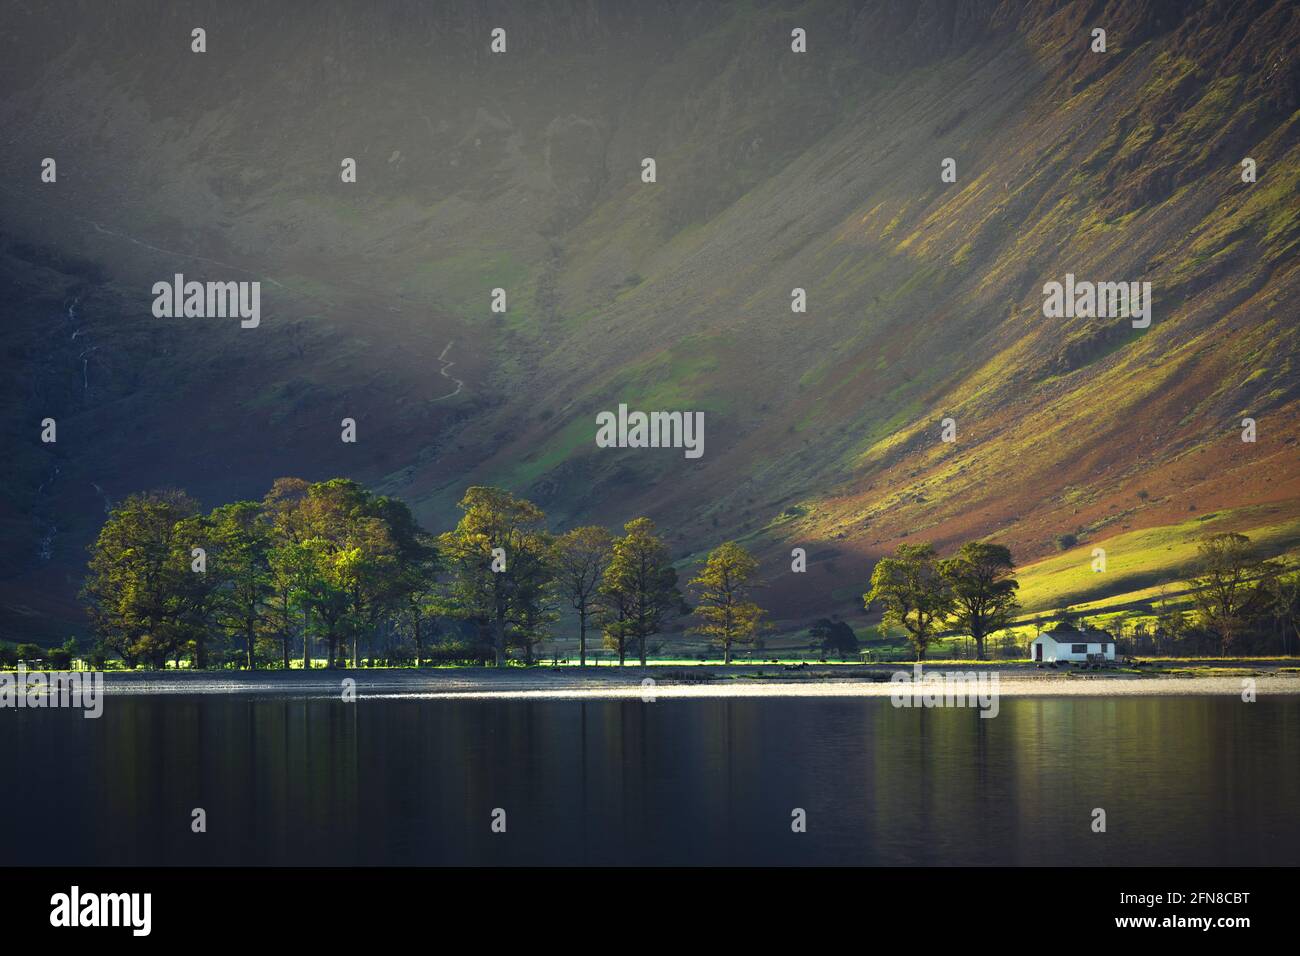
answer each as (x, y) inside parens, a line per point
(1072, 645)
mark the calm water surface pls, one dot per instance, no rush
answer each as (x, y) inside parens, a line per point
(1192, 780)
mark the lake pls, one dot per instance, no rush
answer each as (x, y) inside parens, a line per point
(1182, 780)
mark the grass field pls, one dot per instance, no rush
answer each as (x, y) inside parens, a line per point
(1138, 563)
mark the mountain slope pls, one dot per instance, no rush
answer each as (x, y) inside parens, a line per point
(776, 171)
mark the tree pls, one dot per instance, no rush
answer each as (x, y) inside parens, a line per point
(194, 593)
(642, 584)
(357, 543)
(1171, 624)
(984, 592)
(328, 527)
(581, 556)
(723, 587)
(410, 586)
(70, 650)
(509, 598)
(293, 568)
(240, 563)
(135, 572)
(536, 610)
(326, 595)
(913, 593)
(369, 570)
(612, 614)
(1284, 603)
(833, 637)
(289, 562)
(1233, 586)
(418, 591)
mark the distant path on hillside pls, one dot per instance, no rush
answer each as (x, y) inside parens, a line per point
(443, 372)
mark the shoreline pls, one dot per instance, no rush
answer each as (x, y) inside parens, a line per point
(698, 681)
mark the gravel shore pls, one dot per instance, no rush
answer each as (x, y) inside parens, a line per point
(737, 680)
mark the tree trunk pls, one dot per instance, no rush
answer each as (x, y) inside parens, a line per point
(306, 641)
(250, 650)
(499, 640)
(726, 652)
(200, 652)
(582, 638)
(419, 646)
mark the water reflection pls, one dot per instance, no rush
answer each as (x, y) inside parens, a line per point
(1182, 780)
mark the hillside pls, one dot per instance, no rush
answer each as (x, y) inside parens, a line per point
(775, 171)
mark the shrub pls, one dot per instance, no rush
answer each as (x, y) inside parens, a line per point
(457, 652)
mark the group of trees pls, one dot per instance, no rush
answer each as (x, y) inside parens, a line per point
(330, 567)
(1238, 602)
(1240, 599)
(973, 592)
(310, 562)
(56, 658)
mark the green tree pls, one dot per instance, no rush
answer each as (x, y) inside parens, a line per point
(241, 564)
(503, 600)
(611, 612)
(293, 575)
(1284, 603)
(1232, 586)
(358, 545)
(419, 593)
(401, 567)
(536, 611)
(581, 558)
(983, 589)
(70, 650)
(368, 569)
(195, 593)
(136, 570)
(643, 585)
(330, 513)
(290, 565)
(723, 586)
(913, 593)
(834, 637)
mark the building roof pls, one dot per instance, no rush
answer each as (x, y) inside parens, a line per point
(1078, 637)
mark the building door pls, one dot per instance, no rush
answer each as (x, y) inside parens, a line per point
(1038, 652)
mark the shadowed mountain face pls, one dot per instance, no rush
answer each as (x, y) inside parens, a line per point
(775, 171)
